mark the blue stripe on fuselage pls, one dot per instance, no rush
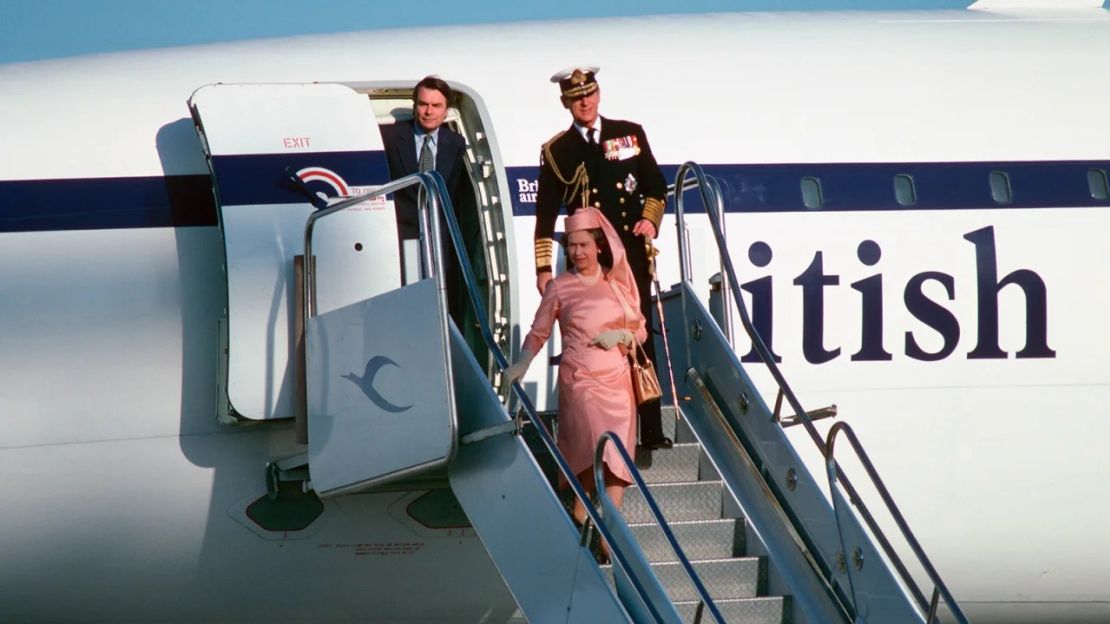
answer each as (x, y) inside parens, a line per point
(106, 203)
(262, 178)
(870, 186)
(187, 200)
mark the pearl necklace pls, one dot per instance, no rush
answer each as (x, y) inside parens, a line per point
(588, 280)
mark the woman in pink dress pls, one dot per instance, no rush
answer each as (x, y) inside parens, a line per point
(598, 309)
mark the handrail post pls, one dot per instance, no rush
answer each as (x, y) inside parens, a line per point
(680, 213)
(718, 204)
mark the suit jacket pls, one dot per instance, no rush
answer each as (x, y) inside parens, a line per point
(623, 181)
(400, 151)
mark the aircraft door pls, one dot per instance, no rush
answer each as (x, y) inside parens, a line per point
(254, 136)
(378, 379)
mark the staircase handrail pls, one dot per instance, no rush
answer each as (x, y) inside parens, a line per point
(656, 512)
(709, 189)
(833, 471)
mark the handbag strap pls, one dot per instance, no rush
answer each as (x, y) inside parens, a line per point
(632, 355)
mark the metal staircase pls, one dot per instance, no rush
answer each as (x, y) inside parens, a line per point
(682, 549)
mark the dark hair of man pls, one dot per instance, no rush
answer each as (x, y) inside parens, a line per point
(434, 83)
(605, 258)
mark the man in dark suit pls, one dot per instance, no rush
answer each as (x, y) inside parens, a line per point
(424, 144)
(608, 164)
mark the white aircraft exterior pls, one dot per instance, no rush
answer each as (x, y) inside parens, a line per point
(963, 334)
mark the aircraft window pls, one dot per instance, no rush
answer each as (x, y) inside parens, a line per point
(904, 190)
(1096, 182)
(811, 193)
(1000, 188)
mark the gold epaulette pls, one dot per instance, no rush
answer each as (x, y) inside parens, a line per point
(554, 138)
(653, 211)
(545, 248)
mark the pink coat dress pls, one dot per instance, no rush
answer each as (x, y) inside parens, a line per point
(595, 385)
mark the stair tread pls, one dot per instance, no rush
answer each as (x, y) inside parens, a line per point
(733, 600)
(699, 539)
(734, 577)
(678, 500)
(757, 610)
(633, 525)
(681, 483)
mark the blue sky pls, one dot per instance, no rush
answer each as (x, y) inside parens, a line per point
(42, 29)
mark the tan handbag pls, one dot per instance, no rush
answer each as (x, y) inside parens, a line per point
(645, 383)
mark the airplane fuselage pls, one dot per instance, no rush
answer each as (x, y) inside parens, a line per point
(961, 333)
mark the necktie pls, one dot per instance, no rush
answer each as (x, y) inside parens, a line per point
(427, 161)
(592, 132)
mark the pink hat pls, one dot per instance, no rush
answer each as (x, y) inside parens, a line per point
(590, 218)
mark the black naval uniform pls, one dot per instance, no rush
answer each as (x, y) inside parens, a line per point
(625, 183)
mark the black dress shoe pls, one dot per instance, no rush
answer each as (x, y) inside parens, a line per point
(655, 445)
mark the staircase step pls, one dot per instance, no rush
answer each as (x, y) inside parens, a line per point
(673, 465)
(724, 579)
(763, 610)
(704, 539)
(696, 500)
(676, 429)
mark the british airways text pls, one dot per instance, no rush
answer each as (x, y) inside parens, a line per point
(932, 313)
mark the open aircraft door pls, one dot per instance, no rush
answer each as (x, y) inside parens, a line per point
(377, 372)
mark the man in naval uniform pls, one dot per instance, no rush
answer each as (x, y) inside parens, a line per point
(608, 164)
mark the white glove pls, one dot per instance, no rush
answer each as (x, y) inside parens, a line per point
(613, 337)
(516, 370)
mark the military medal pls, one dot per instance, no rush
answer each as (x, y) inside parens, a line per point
(621, 148)
(630, 183)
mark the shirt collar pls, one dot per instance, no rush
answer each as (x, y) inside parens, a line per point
(582, 129)
(419, 133)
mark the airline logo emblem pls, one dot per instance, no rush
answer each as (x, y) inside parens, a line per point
(339, 187)
(327, 176)
(366, 383)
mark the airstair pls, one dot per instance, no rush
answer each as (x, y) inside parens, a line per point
(494, 474)
(727, 526)
(707, 524)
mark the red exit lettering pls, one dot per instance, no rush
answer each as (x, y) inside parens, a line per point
(291, 142)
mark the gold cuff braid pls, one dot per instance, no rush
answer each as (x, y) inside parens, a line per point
(653, 211)
(544, 252)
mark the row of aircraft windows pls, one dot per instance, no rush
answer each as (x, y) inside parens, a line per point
(905, 192)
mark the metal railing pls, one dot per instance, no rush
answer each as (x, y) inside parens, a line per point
(710, 191)
(656, 512)
(433, 197)
(436, 199)
(684, 262)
